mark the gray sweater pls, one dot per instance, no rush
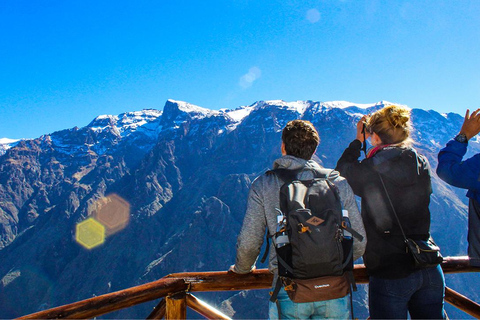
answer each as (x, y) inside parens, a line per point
(263, 198)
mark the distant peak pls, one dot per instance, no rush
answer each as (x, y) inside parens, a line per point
(189, 108)
(144, 113)
(299, 106)
(103, 121)
(175, 112)
(8, 141)
(347, 104)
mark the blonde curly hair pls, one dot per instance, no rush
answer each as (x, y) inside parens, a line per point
(391, 124)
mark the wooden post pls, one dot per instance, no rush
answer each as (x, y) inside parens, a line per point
(205, 309)
(159, 311)
(176, 306)
(462, 302)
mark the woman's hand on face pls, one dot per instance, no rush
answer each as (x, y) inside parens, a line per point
(360, 126)
(471, 124)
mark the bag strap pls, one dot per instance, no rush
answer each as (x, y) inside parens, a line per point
(364, 143)
(278, 283)
(286, 176)
(267, 249)
(351, 302)
(354, 233)
(284, 264)
(278, 286)
(391, 205)
(351, 280)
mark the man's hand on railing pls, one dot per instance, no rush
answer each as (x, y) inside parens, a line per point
(232, 269)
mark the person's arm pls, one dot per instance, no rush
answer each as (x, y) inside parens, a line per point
(451, 168)
(348, 201)
(351, 168)
(454, 171)
(251, 235)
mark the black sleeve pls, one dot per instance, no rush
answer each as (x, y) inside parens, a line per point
(352, 169)
(427, 173)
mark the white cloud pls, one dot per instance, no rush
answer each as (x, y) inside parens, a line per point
(313, 15)
(249, 78)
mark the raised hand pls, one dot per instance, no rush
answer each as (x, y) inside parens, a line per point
(360, 125)
(471, 124)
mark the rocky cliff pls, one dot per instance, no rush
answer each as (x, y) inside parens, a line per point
(185, 172)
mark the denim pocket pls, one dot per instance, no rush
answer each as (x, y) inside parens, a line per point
(401, 288)
(434, 277)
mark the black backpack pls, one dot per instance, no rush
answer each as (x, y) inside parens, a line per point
(315, 227)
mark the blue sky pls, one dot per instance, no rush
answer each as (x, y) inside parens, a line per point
(63, 62)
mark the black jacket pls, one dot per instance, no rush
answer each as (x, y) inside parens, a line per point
(406, 175)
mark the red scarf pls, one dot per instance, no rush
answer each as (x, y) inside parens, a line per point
(374, 150)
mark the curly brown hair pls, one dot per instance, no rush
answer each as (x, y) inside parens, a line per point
(300, 139)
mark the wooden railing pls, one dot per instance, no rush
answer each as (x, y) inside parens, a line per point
(175, 289)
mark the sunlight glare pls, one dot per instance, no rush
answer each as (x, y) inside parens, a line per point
(112, 211)
(313, 15)
(90, 233)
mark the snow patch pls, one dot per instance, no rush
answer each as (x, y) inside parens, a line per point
(297, 106)
(191, 108)
(155, 263)
(436, 144)
(126, 123)
(347, 104)
(239, 114)
(8, 141)
(9, 277)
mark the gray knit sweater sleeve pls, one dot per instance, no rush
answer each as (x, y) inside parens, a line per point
(251, 235)
(347, 198)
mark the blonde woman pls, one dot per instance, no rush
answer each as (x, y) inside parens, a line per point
(396, 287)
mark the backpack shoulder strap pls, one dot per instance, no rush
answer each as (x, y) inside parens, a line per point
(283, 174)
(287, 175)
(328, 174)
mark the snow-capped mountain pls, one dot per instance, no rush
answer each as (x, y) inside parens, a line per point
(185, 172)
(6, 144)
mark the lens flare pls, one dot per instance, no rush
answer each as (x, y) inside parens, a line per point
(313, 15)
(249, 78)
(111, 211)
(90, 233)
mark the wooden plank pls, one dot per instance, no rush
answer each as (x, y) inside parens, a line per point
(360, 274)
(197, 281)
(462, 302)
(205, 309)
(159, 311)
(262, 278)
(176, 307)
(97, 306)
(459, 264)
(226, 281)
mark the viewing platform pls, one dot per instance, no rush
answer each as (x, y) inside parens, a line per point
(175, 291)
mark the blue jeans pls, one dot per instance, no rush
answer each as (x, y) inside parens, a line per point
(328, 309)
(420, 294)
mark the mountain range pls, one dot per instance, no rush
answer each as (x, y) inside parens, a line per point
(184, 173)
